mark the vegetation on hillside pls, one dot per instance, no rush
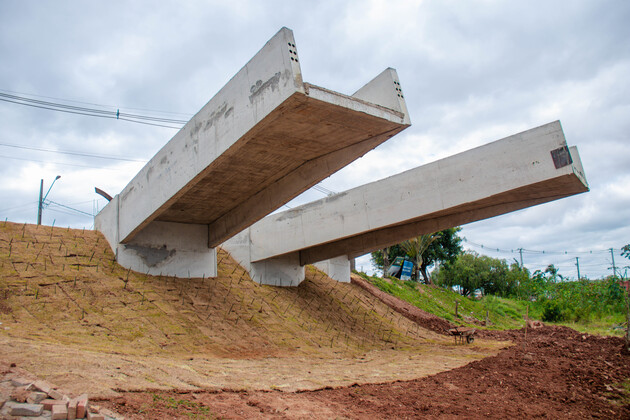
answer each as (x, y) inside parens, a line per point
(424, 250)
(502, 313)
(64, 286)
(479, 283)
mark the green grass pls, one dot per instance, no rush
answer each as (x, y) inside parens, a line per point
(609, 325)
(503, 313)
(191, 409)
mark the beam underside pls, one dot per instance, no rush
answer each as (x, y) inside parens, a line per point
(495, 205)
(304, 136)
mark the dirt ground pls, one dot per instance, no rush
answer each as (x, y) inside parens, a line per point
(103, 374)
(158, 347)
(72, 316)
(555, 373)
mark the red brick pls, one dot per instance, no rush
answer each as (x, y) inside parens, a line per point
(36, 397)
(59, 412)
(42, 386)
(20, 381)
(48, 404)
(95, 416)
(72, 409)
(82, 408)
(56, 395)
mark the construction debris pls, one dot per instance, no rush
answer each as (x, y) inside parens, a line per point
(21, 397)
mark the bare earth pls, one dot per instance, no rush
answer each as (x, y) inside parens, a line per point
(108, 374)
(226, 347)
(557, 373)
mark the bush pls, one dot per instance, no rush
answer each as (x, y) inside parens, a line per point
(552, 312)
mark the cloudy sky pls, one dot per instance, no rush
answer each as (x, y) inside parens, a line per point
(472, 72)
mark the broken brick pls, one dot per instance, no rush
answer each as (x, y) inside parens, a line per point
(20, 381)
(82, 407)
(42, 386)
(36, 397)
(72, 409)
(59, 412)
(28, 410)
(95, 416)
(55, 395)
(48, 404)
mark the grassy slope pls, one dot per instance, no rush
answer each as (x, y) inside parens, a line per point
(63, 286)
(502, 313)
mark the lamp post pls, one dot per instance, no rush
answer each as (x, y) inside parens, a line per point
(41, 200)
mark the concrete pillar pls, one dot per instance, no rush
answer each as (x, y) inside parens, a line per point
(337, 268)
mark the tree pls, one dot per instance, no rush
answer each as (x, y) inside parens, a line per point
(416, 247)
(465, 272)
(446, 247)
(518, 277)
(471, 272)
(383, 258)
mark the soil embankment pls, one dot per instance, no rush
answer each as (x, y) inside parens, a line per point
(75, 318)
(556, 373)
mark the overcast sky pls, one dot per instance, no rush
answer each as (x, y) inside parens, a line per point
(472, 72)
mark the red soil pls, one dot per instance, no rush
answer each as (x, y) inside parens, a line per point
(556, 373)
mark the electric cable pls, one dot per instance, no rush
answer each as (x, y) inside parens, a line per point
(61, 163)
(68, 152)
(71, 109)
(68, 207)
(101, 105)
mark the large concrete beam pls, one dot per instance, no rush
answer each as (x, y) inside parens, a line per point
(263, 139)
(519, 171)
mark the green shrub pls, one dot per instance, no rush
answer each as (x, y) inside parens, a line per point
(552, 312)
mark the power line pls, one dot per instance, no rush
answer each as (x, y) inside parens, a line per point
(116, 113)
(19, 207)
(531, 251)
(101, 105)
(60, 163)
(71, 109)
(70, 208)
(68, 152)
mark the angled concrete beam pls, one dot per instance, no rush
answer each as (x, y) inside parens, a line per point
(263, 139)
(519, 171)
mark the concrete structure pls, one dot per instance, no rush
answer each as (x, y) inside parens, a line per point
(264, 138)
(519, 171)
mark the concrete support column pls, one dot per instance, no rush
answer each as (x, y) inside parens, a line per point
(166, 248)
(283, 270)
(279, 271)
(337, 268)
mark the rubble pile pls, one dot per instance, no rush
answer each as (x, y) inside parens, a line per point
(22, 397)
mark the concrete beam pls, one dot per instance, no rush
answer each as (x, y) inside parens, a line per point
(519, 171)
(263, 139)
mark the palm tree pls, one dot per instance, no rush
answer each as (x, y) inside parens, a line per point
(416, 247)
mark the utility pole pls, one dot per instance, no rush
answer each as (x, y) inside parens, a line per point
(41, 200)
(577, 263)
(520, 251)
(612, 255)
(39, 206)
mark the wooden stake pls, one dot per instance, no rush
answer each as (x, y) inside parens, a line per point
(526, 322)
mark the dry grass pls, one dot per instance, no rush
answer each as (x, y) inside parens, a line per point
(71, 315)
(63, 286)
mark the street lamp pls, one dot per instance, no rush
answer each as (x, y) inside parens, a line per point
(41, 200)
